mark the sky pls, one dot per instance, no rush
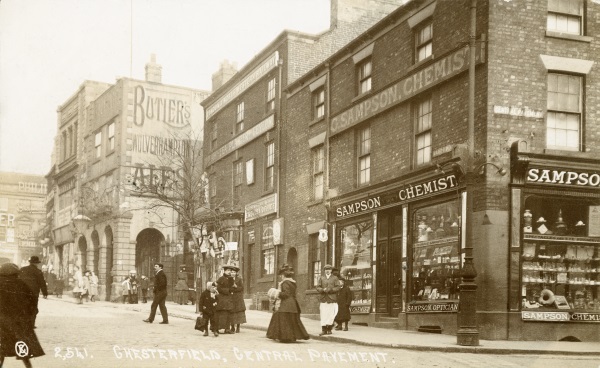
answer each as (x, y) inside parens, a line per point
(48, 48)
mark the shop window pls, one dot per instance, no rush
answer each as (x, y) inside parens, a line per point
(270, 166)
(364, 156)
(268, 251)
(565, 16)
(364, 70)
(271, 95)
(318, 154)
(314, 256)
(424, 42)
(564, 112)
(318, 103)
(561, 254)
(98, 144)
(239, 118)
(423, 116)
(436, 252)
(356, 245)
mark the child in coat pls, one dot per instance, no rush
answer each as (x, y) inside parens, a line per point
(207, 304)
(344, 299)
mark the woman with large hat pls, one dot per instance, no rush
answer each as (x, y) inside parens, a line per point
(238, 313)
(285, 324)
(17, 306)
(225, 300)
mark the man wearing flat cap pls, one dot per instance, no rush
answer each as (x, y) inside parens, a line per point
(34, 278)
(328, 286)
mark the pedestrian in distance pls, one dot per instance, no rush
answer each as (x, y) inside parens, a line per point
(225, 300)
(86, 286)
(160, 295)
(207, 305)
(78, 286)
(59, 286)
(133, 291)
(344, 299)
(285, 324)
(126, 289)
(17, 308)
(144, 287)
(33, 277)
(238, 313)
(182, 290)
(328, 285)
(93, 286)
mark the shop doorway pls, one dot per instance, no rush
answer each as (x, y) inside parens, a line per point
(147, 251)
(389, 263)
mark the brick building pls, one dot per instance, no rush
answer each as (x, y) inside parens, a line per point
(110, 139)
(245, 156)
(382, 155)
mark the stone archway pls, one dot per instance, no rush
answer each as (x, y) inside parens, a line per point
(147, 251)
(81, 255)
(108, 264)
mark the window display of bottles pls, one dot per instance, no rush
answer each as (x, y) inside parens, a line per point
(435, 253)
(355, 267)
(360, 282)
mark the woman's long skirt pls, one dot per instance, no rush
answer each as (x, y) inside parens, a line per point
(286, 327)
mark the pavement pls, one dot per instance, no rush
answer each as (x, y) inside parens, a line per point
(381, 337)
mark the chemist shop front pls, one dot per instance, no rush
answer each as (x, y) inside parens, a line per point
(555, 291)
(399, 249)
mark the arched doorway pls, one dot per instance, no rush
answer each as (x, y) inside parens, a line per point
(96, 245)
(108, 266)
(81, 259)
(292, 259)
(147, 251)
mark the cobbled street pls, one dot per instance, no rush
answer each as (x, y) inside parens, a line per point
(91, 335)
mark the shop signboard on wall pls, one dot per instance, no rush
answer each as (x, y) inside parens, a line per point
(563, 177)
(360, 309)
(434, 307)
(262, 207)
(407, 193)
(560, 316)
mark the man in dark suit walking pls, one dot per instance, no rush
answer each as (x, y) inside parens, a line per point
(34, 278)
(160, 295)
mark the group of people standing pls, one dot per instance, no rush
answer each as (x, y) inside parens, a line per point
(222, 303)
(131, 287)
(85, 285)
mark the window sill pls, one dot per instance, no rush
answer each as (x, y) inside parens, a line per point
(362, 95)
(314, 203)
(266, 279)
(266, 192)
(317, 120)
(565, 152)
(420, 63)
(110, 153)
(568, 36)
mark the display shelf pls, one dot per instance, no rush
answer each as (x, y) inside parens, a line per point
(562, 238)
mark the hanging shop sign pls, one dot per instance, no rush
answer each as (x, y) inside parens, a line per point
(407, 193)
(560, 316)
(422, 80)
(563, 177)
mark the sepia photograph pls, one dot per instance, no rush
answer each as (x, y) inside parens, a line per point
(299, 183)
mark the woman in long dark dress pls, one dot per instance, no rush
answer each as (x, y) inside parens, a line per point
(285, 324)
(17, 306)
(238, 313)
(344, 299)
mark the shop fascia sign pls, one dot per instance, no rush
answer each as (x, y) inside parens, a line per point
(262, 207)
(242, 139)
(406, 193)
(432, 307)
(560, 316)
(537, 175)
(243, 85)
(422, 80)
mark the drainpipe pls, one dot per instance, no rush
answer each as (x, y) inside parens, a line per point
(278, 158)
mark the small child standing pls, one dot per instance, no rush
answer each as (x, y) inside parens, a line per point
(207, 304)
(344, 299)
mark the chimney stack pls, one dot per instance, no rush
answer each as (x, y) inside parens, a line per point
(153, 70)
(225, 72)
